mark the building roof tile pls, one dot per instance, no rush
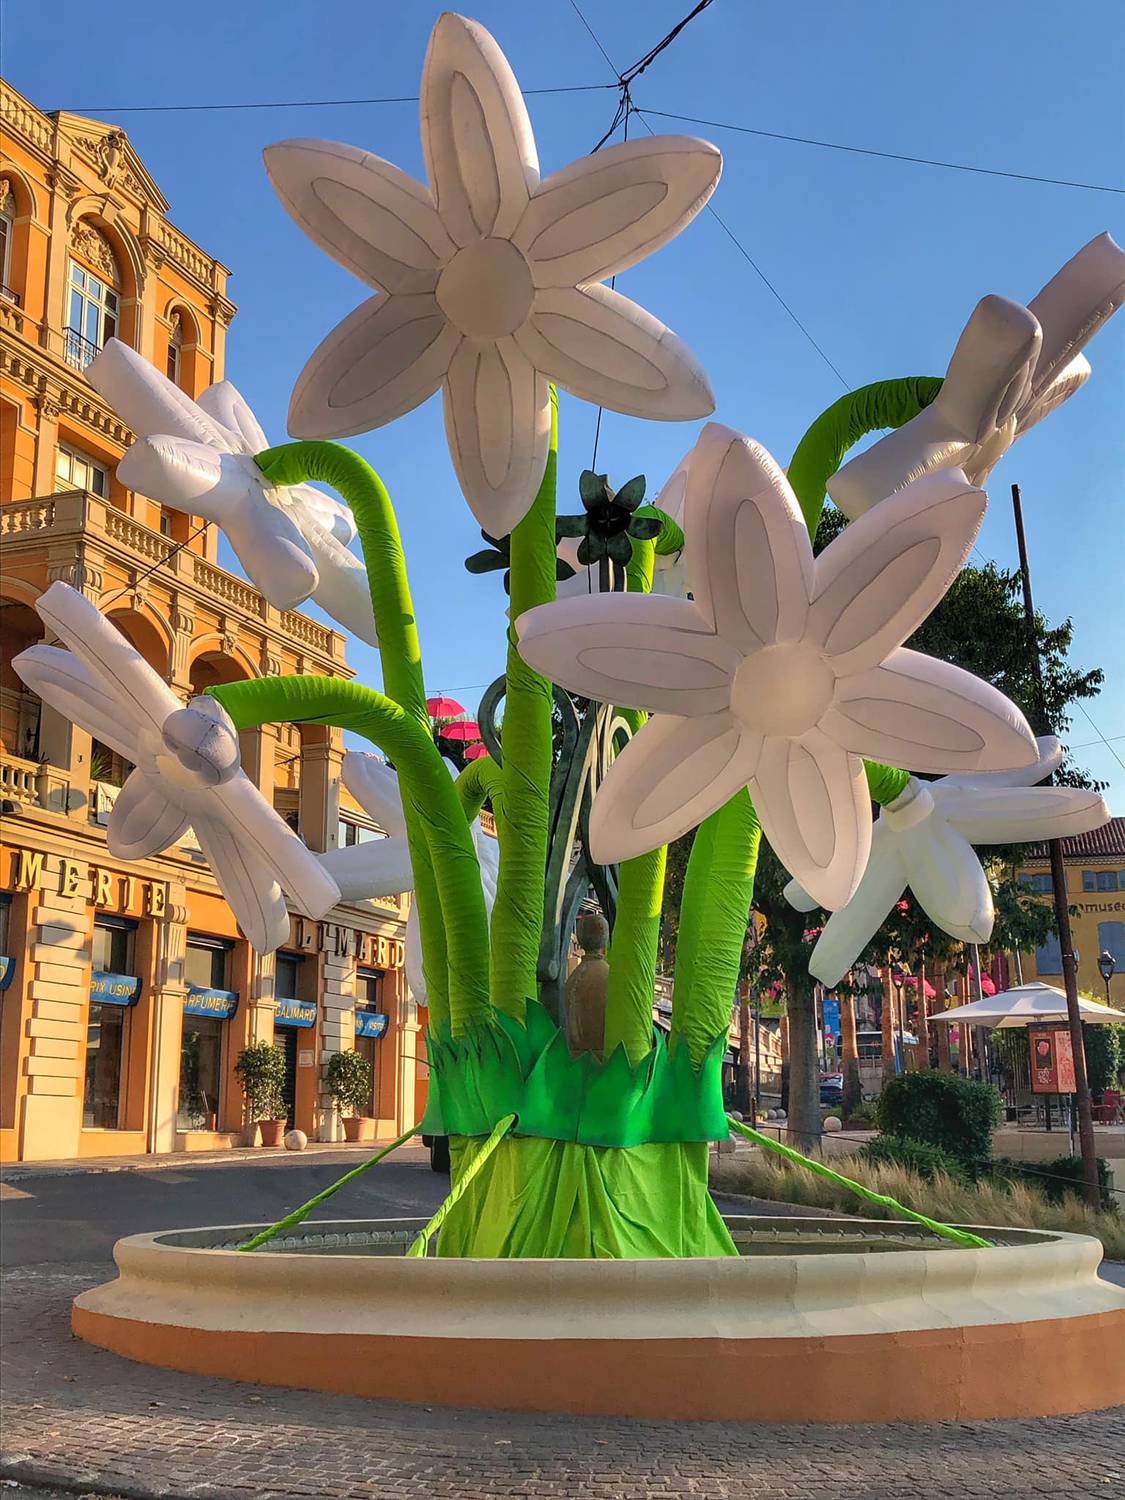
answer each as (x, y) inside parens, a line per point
(1106, 842)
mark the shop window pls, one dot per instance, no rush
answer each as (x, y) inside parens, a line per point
(368, 991)
(368, 987)
(1103, 880)
(287, 983)
(201, 1061)
(1048, 958)
(7, 958)
(208, 963)
(175, 349)
(92, 316)
(1041, 885)
(350, 834)
(111, 953)
(1111, 940)
(78, 471)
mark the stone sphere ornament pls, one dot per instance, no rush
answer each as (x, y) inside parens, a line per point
(295, 1140)
(832, 1123)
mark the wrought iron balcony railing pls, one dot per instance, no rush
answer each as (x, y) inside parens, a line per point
(9, 294)
(79, 351)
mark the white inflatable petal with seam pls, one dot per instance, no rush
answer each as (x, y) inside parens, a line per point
(224, 403)
(147, 401)
(68, 685)
(849, 930)
(142, 822)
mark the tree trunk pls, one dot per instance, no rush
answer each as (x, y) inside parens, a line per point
(887, 1025)
(941, 1030)
(743, 1090)
(849, 1056)
(804, 1070)
(783, 1034)
(923, 1049)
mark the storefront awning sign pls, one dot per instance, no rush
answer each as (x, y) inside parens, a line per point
(200, 1001)
(290, 1012)
(114, 989)
(370, 1023)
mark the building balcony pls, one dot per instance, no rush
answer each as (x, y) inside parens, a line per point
(77, 351)
(9, 294)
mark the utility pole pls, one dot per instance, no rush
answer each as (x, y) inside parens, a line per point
(1062, 911)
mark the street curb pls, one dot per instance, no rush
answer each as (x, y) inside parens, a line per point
(331, 1154)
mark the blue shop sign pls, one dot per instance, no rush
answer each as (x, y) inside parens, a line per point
(200, 1001)
(7, 971)
(290, 1012)
(114, 989)
(370, 1023)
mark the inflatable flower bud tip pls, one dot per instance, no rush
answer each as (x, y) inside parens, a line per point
(203, 744)
(833, 1123)
(296, 1140)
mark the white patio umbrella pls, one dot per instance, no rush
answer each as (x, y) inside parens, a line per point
(1028, 1005)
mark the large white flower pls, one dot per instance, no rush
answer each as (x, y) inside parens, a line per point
(382, 867)
(489, 279)
(187, 770)
(199, 457)
(1012, 366)
(783, 671)
(924, 838)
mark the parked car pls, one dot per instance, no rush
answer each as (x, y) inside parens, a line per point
(832, 1088)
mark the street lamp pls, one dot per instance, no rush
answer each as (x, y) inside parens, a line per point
(1106, 967)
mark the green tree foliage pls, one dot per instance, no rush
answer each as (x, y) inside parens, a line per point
(1105, 1056)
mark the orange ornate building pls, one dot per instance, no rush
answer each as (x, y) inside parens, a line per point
(128, 991)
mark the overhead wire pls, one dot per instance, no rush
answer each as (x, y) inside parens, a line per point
(240, 104)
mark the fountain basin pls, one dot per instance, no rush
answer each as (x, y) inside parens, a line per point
(818, 1320)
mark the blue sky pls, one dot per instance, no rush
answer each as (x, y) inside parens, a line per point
(882, 261)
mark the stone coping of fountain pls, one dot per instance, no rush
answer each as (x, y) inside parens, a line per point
(921, 1331)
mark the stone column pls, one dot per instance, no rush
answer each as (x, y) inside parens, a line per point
(59, 954)
(320, 791)
(335, 1017)
(411, 1046)
(169, 993)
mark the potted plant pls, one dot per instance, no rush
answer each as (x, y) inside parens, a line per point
(347, 1080)
(261, 1074)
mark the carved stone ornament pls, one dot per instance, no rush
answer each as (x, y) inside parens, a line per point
(92, 245)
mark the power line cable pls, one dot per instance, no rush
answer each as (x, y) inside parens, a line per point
(922, 161)
(158, 109)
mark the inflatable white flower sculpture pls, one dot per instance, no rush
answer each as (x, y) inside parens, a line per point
(187, 770)
(489, 279)
(783, 671)
(924, 840)
(1012, 366)
(199, 457)
(382, 867)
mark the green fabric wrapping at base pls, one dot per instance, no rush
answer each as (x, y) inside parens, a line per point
(884, 1200)
(420, 1248)
(547, 1199)
(508, 1067)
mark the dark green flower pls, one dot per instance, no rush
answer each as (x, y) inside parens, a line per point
(609, 524)
(498, 554)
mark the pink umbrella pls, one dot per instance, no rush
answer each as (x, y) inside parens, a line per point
(467, 730)
(476, 752)
(443, 708)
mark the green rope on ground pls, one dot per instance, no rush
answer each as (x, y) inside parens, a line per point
(302, 1213)
(422, 1244)
(958, 1236)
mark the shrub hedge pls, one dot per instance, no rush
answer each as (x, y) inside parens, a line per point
(945, 1110)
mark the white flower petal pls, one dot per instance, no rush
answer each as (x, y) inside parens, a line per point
(670, 776)
(1069, 380)
(60, 679)
(848, 931)
(476, 137)
(342, 588)
(119, 667)
(498, 425)
(372, 218)
(1019, 815)
(798, 898)
(634, 650)
(749, 560)
(603, 348)
(382, 361)
(246, 881)
(375, 787)
(606, 212)
(1049, 755)
(305, 503)
(381, 867)
(946, 877)
(225, 404)
(142, 821)
(228, 489)
(258, 828)
(148, 401)
(1074, 305)
(883, 575)
(928, 715)
(812, 800)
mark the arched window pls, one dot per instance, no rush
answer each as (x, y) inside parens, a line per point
(7, 239)
(92, 297)
(175, 348)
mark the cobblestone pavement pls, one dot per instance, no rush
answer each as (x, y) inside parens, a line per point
(82, 1420)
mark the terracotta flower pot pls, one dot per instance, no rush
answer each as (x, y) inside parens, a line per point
(249, 1136)
(358, 1128)
(273, 1132)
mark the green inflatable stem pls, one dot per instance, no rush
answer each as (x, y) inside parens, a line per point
(885, 783)
(427, 791)
(886, 403)
(481, 781)
(422, 1244)
(517, 916)
(947, 1231)
(300, 1214)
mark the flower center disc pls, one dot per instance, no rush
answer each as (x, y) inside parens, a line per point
(486, 289)
(782, 690)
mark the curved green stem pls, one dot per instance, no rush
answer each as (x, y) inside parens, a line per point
(399, 648)
(718, 890)
(886, 403)
(517, 917)
(481, 781)
(885, 783)
(429, 799)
